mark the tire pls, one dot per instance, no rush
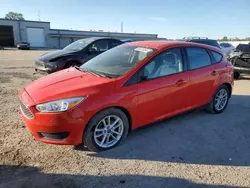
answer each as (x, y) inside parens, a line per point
(90, 136)
(236, 75)
(212, 107)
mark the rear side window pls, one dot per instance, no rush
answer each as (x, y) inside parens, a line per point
(114, 43)
(217, 56)
(198, 58)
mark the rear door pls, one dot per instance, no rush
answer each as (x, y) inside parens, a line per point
(162, 87)
(202, 77)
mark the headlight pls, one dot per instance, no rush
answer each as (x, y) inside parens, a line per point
(60, 105)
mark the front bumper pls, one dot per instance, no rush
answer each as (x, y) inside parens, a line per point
(43, 67)
(63, 128)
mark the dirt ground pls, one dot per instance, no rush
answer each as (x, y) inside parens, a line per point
(196, 149)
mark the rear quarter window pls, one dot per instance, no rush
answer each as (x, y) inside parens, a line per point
(217, 56)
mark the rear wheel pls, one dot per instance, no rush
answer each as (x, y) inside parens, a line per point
(220, 100)
(236, 75)
(106, 130)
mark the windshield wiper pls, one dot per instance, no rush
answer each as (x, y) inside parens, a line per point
(102, 75)
(93, 72)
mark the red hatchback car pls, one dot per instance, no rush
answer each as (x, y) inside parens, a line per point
(125, 88)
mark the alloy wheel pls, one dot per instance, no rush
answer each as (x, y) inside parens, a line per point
(220, 100)
(108, 131)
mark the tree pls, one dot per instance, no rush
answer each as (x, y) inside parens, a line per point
(225, 38)
(14, 16)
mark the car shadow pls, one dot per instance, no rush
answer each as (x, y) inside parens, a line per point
(195, 137)
(243, 77)
(32, 177)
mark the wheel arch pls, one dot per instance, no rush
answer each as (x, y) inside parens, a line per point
(124, 110)
(229, 87)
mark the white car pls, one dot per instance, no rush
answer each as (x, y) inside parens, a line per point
(227, 48)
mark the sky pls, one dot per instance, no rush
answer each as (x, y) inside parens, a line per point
(170, 19)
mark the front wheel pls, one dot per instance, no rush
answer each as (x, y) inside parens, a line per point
(220, 100)
(106, 130)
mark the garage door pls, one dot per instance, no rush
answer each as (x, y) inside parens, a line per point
(6, 36)
(36, 37)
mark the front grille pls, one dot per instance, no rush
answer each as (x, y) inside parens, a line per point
(26, 111)
(54, 136)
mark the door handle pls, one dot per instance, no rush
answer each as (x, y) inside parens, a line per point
(180, 82)
(214, 73)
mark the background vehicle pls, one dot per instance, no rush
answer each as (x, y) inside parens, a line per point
(125, 88)
(126, 40)
(202, 40)
(23, 46)
(76, 53)
(240, 58)
(227, 48)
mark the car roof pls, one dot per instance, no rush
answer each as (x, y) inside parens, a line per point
(162, 44)
(200, 40)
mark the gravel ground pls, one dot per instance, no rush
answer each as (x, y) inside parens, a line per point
(195, 149)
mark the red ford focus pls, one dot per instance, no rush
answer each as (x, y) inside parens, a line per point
(124, 88)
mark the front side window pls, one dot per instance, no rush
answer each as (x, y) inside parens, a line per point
(167, 63)
(117, 61)
(198, 57)
(99, 46)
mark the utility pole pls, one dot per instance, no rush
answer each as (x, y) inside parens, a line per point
(39, 18)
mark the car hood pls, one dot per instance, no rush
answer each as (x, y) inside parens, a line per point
(65, 84)
(55, 54)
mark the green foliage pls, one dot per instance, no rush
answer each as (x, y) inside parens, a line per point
(225, 38)
(14, 16)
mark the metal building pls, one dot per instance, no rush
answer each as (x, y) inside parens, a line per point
(39, 34)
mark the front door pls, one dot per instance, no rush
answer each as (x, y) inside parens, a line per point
(162, 87)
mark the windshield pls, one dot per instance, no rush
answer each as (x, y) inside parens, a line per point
(117, 61)
(79, 44)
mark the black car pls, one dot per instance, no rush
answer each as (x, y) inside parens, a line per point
(74, 54)
(240, 58)
(23, 46)
(210, 42)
